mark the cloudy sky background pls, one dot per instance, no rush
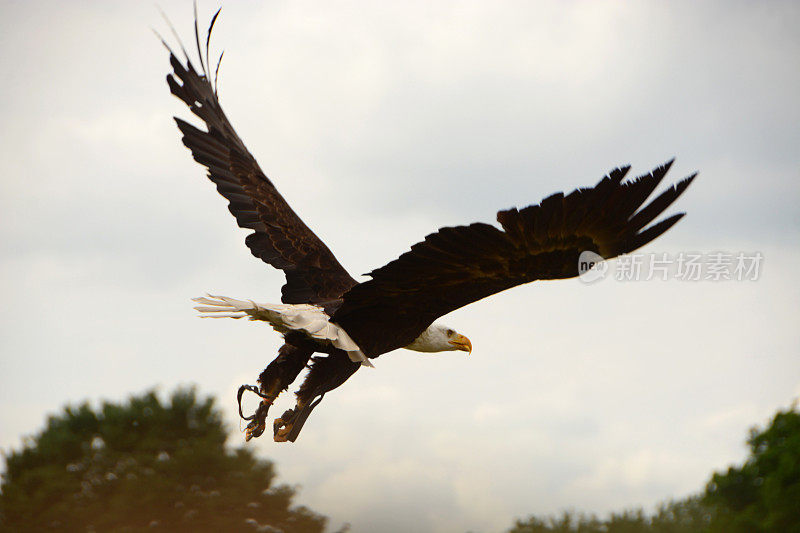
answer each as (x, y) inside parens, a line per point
(380, 122)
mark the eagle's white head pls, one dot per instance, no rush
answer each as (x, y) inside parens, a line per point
(440, 338)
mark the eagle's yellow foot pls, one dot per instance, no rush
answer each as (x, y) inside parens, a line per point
(281, 434)
(254, 429)
(282, 426)
(258, 419)
(258, 423)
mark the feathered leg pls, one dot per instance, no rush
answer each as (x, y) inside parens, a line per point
(281, 372)
(326, 374)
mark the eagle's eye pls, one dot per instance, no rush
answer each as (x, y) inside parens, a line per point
(450, 332)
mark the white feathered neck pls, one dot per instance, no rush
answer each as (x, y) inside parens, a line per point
(434, 339)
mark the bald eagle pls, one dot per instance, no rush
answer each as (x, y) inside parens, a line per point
(324, 310)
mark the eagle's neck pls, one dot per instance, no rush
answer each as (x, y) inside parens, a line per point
(432, 339)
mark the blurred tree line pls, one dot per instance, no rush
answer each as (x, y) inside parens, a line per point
(761, 496)
(163, 466)
(144, 465)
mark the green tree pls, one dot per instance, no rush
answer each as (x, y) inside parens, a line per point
(690, 515)
(684, 516)
(763, 495)
(566, 522)
(144, 465)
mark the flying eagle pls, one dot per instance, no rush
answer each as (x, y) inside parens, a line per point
(324, 310)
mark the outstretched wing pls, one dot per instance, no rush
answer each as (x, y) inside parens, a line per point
(280, 237)
(460, 265)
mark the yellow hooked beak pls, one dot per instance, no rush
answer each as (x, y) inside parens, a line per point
(461, 343)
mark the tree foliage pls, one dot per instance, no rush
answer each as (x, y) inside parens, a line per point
(144, 465)
(761, 496)
(685, 516)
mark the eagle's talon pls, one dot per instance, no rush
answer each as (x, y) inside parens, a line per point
(266, 401)
(258, 422)
(254, 429)
(282, 426)
(281, 435)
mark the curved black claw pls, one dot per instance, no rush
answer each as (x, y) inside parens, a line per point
(258, 419)
(251, 388)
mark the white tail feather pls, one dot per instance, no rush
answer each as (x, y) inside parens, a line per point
(310, 319)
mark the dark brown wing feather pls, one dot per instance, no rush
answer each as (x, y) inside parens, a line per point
(280, 237)
(460, 265)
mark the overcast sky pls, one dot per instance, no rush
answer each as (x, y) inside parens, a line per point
(380, 122)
